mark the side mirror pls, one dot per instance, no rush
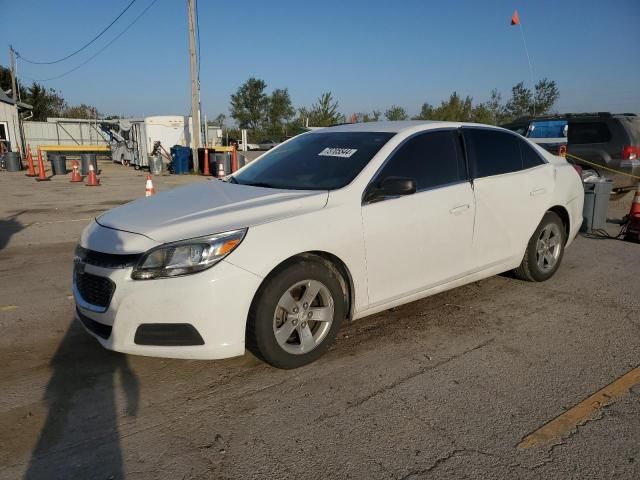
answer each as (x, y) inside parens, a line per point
(394, 186)
(391, 187)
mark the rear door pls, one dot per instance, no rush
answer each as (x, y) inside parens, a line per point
(417, 241)
(512, 185)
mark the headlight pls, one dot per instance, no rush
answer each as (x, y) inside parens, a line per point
(187, 256)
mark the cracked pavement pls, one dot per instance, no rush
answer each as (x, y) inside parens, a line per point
(445, 387)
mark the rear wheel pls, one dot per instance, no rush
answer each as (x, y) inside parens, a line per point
(296, 315)
(544, 250)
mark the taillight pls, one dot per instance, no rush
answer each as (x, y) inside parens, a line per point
(630, 152)
(562, 151)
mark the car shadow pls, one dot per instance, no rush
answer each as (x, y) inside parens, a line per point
(80, 435)
(9, 227)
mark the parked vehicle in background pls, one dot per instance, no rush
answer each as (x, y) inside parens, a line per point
(268, 144)
(550, 132)
(338, 223)
(606, 140)
(263, 145)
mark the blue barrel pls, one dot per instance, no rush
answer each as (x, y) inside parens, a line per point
(181, 157)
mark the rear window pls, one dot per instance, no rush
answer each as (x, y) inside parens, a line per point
(548, 129)
(632, 126)
(588, 132)
(492, 152)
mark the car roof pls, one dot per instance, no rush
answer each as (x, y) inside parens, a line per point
(395, 127)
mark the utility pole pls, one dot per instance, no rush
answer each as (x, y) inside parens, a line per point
(195, 87)
(14, 91)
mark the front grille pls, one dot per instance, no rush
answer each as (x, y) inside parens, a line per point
(94, 289)
(100, 329)
(107, 260)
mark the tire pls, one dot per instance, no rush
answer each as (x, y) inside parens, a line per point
(538, 267)
(268, 314)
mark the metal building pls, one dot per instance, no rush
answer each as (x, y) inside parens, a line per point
(10, 132)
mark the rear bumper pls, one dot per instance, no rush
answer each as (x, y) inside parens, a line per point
(574, 207)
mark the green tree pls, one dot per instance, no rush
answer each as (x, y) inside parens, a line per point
(456, 109)
(81, 111)
(495, 107)
(481, 113)
(5, 83)
(520, 103)
(249, 104)
(396, 113)
(426, 112)
(374, 116)
(46, 102)
(324, 112)
(218, 121)
(546, 94)
(280, 110)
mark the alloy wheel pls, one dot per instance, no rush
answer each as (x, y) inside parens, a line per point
(303, 316)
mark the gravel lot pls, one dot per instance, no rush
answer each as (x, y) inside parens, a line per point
(445, 387)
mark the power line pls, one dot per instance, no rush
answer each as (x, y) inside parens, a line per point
(35, 62)
(99, 51)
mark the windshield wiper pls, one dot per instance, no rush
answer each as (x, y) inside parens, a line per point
(259, 184)
(230, 179)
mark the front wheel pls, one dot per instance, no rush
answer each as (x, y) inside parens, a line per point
(296, 315)
(544, 250)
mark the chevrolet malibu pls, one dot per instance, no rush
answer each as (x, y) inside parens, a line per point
(334, 224)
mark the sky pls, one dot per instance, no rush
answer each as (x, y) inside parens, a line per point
(369, 54)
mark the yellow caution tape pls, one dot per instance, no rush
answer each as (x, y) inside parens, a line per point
(602, 167)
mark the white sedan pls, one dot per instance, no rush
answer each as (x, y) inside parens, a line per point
(334, 224)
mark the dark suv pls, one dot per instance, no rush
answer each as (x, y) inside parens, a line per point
(548, 131)
(609, 140)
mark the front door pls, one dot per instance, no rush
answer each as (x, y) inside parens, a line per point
(418, 241)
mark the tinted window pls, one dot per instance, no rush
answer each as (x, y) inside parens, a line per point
(530, 158)
(588, 132)
(314, 161)
(431, 159)
(492, 152)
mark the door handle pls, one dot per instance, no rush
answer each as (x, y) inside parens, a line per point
(538, 191)
(459, 209)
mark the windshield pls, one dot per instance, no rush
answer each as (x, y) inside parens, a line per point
(314, 161)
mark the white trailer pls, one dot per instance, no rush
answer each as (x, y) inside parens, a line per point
(134, 139)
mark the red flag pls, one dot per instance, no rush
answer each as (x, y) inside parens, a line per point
(515, 18)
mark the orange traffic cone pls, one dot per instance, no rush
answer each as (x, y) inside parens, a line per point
(42, 177)
(234, 159)
(31, 172)
(149, 189)
(75, 174)
(633, 223)
(92, 178)
(205, 170)
(221, 173)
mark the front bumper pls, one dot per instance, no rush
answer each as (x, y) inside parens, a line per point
(215, 303)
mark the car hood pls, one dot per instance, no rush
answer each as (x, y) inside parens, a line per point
(209, 207)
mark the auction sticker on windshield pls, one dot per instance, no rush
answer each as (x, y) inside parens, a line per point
(337, 152)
